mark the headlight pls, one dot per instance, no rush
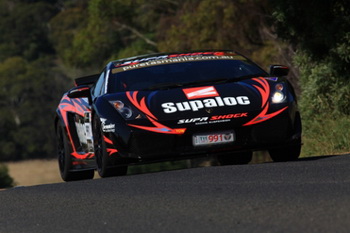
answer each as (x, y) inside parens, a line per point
(279, 87)
(278, 96)
(125, 111)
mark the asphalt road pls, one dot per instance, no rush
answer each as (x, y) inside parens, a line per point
(309, 195)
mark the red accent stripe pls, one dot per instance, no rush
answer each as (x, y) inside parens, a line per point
(111, 151)
(264, 91)
(159, 128)
(142, 105)
(263, 116)
(109, 141)
(81, 156)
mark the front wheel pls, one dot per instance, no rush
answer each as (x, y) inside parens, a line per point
(106, 166)
(236, 158)
(289, 152)
(65, 160)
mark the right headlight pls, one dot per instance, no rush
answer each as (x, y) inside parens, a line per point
(278, 96)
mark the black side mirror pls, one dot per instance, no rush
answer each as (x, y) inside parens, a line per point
(79, 92)
(279, 70)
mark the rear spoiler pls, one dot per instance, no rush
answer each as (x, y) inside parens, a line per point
(86, 80)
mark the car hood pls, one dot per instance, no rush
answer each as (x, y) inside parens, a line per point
(238, 102)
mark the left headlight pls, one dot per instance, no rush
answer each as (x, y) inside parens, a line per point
(278, 95)
(125, 111)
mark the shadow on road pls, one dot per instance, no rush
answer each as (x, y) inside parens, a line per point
(260, 157)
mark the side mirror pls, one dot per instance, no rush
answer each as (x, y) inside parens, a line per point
(279, 70)
(79, 92)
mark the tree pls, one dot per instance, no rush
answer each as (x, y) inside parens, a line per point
(30, 83)
(6, 180)
(24, 30)
(110, 30)
(241, 25)
(29, 94)
(320, 34)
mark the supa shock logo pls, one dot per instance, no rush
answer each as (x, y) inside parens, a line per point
(200, 92)
(205, 120)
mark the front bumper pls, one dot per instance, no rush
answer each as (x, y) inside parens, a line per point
(144, 145)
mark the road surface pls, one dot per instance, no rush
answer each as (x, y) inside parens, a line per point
(308, 195)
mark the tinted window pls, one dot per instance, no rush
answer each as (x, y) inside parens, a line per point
(181, 74)
(99, 85)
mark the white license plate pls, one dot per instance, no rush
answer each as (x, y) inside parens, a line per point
(213, 138)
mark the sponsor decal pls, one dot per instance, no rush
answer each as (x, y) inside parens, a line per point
(195, 105)
(147, 59)
(229, 116)
(107, 127)
(200, 92)
(193, 120)
(137, 65)
(173, 58)
(137, 61)
(212, 119)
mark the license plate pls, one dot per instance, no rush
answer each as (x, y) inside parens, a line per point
(213, 138)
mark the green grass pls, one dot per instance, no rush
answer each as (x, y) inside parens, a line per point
(326, 136)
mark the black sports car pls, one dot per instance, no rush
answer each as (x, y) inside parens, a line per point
(176, 106)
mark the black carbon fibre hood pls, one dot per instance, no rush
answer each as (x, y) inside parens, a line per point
(239, 103)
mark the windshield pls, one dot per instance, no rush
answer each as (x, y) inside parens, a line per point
(166, 76)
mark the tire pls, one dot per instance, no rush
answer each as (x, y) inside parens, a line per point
(106, 167)
(289, 152)
(284, 154)
(65, 159)
(235, 159)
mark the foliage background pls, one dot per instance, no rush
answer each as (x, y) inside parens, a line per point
(44, 44)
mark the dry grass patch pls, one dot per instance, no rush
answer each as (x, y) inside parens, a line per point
(34, 172)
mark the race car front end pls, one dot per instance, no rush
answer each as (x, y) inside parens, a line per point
(252, 114)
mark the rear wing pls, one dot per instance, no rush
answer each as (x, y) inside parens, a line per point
(86, 80)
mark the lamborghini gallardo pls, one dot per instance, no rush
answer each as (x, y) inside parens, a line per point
(175, 106)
